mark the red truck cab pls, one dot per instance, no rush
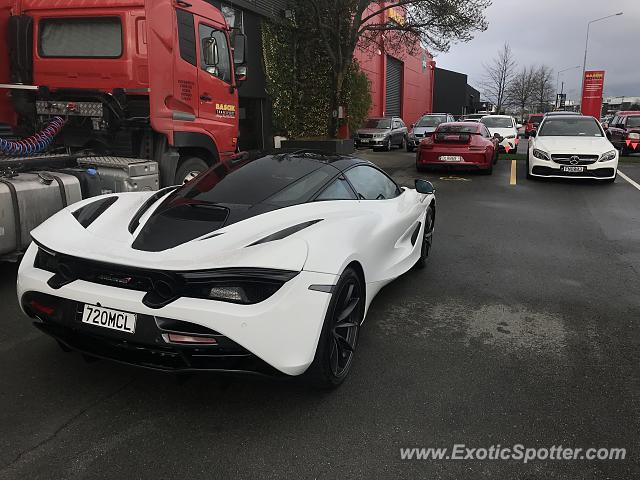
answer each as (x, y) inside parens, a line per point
(152, 79)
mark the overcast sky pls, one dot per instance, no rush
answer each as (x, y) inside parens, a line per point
(553, 32)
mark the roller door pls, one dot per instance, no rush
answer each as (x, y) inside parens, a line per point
(393, 103)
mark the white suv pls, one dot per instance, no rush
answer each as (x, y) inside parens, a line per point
(571, 146)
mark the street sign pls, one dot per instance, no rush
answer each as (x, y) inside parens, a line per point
(592, 86)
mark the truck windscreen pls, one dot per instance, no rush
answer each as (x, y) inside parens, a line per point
(84, 37)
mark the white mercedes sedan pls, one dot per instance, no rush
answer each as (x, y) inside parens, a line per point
(572, 146)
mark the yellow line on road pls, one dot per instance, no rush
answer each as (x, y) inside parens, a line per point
(513, 173)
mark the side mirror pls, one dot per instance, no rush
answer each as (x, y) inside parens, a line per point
(239, 49)
(210, 52)
(241, 73)
(425, 187)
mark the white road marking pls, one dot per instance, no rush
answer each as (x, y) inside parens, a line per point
(633, 183)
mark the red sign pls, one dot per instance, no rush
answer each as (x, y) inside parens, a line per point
(592, 86)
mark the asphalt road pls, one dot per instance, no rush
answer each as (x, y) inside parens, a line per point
(523, 329)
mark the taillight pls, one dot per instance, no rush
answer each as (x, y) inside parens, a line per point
(42, 308)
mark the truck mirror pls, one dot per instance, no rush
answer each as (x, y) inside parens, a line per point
(210, 51)
(241, 73)
(239, 48)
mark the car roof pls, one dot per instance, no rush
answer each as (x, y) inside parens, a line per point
(554, 114)
(497, 116)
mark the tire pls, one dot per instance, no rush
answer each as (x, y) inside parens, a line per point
(427, 239)
(409, 148)
(403, 143)
(188, 168)
(387, 146)
(337, 344)
(495, 157)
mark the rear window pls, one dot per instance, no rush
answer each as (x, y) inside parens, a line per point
(80, 37)
(279, 180)
(457, 129)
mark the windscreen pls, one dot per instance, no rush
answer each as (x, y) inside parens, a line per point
(497, 122)
(431, 120)
(633, 121)
(80, 37)
(570, 127)
(535, 119)
(378, 123)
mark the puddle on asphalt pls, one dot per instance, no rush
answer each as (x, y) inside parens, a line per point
(507, 328)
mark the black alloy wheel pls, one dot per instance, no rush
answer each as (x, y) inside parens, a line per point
(427, 239)
(339, 337)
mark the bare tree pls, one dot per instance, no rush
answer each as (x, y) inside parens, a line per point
(521, 90)
(343, 24)
(498, 76)
(544, 87)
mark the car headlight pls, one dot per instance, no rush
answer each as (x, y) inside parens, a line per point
(610, 155)
(542, 155)
(633, 136)
(380, 135)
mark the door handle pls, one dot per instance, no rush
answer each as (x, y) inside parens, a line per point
(205, 98)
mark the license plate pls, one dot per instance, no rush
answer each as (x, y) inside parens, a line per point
(572, 168)
(364, 140)
(108, 318)
(451, 158)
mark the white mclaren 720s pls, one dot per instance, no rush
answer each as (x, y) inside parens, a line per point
(269, 269)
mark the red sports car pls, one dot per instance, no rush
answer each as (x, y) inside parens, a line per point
(459, 145)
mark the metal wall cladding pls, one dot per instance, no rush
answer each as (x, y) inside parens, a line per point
(33, 198)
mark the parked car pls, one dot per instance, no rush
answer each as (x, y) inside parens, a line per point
(382, 132)
(532, 123)
(459, 145)
(624, 132)
(425, 126)
(504, 126)
(573, 146)
(213, 275)
(473, 117)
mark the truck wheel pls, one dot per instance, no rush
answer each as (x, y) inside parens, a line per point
(189, 169)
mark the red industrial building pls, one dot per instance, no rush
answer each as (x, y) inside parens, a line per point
(401, 82)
